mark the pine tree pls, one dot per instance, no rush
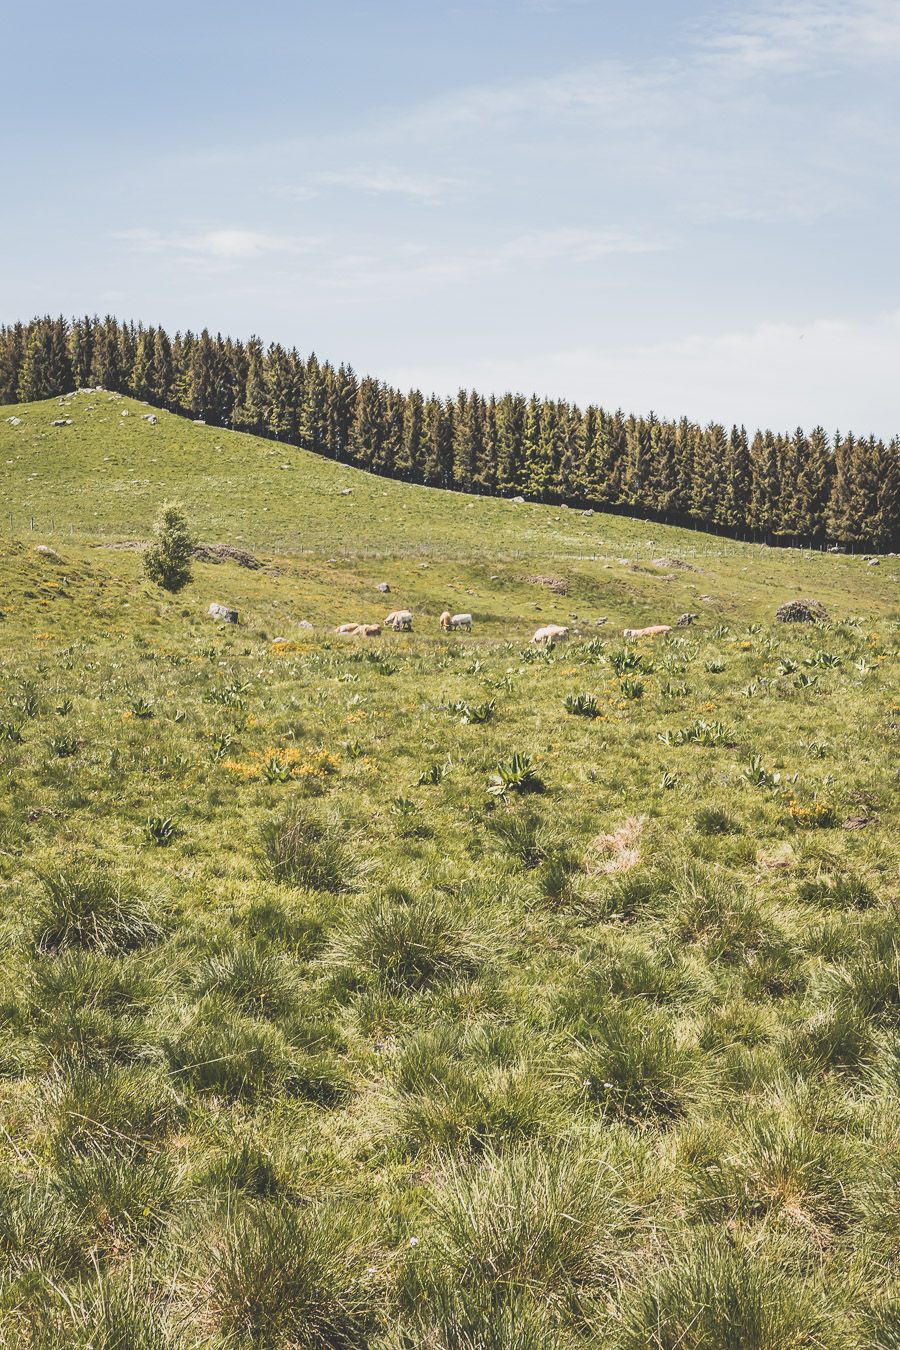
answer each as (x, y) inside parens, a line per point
(162, 372)
(46, 371)
(81, 348)
(12, 355)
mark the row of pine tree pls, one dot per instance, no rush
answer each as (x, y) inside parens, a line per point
(795, 488)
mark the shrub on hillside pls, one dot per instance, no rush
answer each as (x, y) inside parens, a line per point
(168, 561)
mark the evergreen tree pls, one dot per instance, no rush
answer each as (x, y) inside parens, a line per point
(168, 560)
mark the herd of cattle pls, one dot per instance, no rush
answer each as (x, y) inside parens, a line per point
(401, 620)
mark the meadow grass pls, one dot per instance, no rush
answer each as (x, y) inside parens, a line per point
(325, 1025)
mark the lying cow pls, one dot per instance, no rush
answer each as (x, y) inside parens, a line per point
(359, 629)
(400, 620)
(655, 630)
(553, 632)
(450, 621)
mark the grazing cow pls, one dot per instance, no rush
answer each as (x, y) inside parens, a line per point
(400, 620)
(553, 632)
(655, 630)
(450, 621)
(359, 630)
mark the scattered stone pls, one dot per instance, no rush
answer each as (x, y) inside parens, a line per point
(600, 622)
(707, 599)
(47, 552)
(686, 620)
(874, 562)
(199, 421)
(125, 413)
(346, 492)
(589, 512)
(305, 623)
(801, 611)
(383, 587)
(859, 822)
(151, 418)
(14, 421)
(61, 422)
(678, 563)
(218, 553)
(519, 501)
(223, 613)
(558, 585)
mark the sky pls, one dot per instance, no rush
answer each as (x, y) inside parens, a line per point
(671, 205)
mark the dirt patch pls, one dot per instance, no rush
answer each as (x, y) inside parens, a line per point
(616, 852)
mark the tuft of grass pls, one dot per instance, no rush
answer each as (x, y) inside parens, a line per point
(297, 849)
(88, 908)
(282, 1275)
(711, 1294)
(410, 946)
(633, 1069)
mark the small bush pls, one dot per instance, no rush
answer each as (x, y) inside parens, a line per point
(296, 849)
(85, 907)
(286, 1276)
(167, 562)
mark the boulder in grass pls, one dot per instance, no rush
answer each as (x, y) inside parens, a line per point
(223, 613)
(305, 625)
(61, 422)
(383, 587)
(802, 611)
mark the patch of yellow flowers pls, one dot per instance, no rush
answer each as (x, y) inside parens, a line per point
(279, 764)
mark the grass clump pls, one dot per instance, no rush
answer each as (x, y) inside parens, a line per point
(410, 946)
(713, 1295)
(297, 849)
(87, 908)
(288, 1276)
(632, 1068)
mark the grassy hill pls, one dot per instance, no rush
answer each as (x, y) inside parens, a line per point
(434, 991)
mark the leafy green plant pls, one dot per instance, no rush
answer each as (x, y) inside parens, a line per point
(434, 774)
(161, 830)
(518, 775)
(632, 689)
(63, 747)
(142, 709)
(581, 705)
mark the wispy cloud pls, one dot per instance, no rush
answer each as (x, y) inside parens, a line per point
(430, 189)
(793, 35)
(220, 246)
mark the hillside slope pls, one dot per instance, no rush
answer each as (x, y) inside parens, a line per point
(103, 475)
(439, 990)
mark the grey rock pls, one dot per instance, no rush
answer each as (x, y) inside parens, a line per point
(14, 421)
(223, 613)
(686, 620)
(383, 587)
(802, 611)
(519, 501)
(305, 623)
(61, 422)
(151, 418)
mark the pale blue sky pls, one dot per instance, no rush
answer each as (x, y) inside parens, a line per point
(684, 206)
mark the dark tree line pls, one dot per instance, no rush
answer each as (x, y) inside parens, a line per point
(783, 488)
